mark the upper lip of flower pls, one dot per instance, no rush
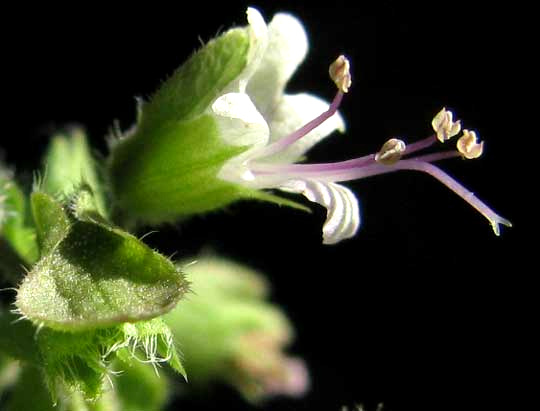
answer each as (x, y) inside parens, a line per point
(279, 128)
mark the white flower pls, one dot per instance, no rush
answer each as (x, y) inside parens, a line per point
(256, 112)
(280, 128)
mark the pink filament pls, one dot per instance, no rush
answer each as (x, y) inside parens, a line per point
(366, 166)
(284, 142)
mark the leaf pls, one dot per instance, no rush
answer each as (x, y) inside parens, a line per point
(93, 275)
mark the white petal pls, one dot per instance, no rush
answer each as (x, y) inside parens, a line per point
(343, 214)
(292, 113)
(239, 122)
(257, 26)
(258, 41)
(287, 48)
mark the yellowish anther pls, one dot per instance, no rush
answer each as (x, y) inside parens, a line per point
(444, 125)
(468, 145)
(391, 151)
(340, 73)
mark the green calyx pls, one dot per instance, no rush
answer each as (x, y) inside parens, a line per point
(167, 167)
(174, 176)
(78, 367)
(79, 361)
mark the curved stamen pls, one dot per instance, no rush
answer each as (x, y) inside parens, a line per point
(284, 142)
(265, 168)
(336, 169)
(366, 167)
(340, 74)
(494, 219)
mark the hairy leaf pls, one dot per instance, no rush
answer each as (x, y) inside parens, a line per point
(93, 275)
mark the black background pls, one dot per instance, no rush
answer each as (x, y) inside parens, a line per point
(425, 308)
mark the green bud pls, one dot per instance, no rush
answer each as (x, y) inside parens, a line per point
(17, 236)
(229, 332)
(69, 164)
(92, 274)
(140, 388)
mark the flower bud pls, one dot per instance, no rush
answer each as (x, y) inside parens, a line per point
(229, 333)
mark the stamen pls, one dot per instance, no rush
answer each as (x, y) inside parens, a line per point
(335, 170)
(351, 170)
(388, 159)
(340, 73)
(271, 168)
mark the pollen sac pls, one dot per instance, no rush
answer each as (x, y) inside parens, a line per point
(468, 145)
(444, 125)
(340, 73)
(391, 151)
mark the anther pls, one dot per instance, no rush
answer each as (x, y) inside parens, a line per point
(391, 151)
(468, 145)
(444, 125)
(340, 73)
